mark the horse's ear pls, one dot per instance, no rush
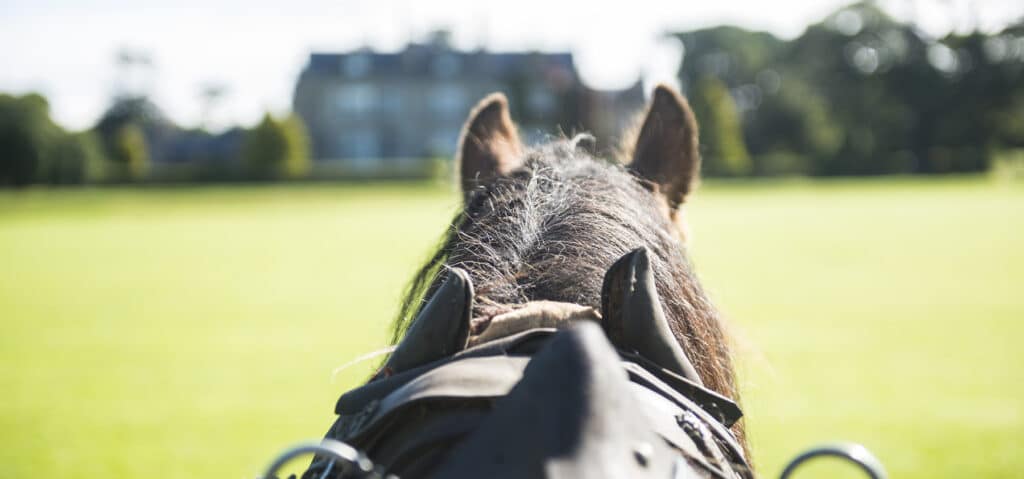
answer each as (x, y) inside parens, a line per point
(489, 145)
(666, 149)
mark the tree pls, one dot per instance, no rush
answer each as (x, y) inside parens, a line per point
(20, 151)
(860, 93)
(792, 132)
(773, 124)
(133, 132)
(130, 152)
(721, 137)
(277, 149)
(34, 149)
(72, 160)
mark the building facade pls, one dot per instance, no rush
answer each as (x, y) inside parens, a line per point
(389, 111)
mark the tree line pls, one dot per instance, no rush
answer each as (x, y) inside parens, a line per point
(856, 94)
(132, 138)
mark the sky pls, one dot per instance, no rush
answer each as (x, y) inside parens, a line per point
(255, 49)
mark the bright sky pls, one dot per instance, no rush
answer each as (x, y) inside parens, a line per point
(65, 49)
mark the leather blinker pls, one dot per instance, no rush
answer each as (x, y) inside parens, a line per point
(440, 329)
(633, 318)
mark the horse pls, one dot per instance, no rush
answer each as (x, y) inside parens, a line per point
(563, 265)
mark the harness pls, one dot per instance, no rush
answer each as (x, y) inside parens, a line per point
(563, 391)
(540, 398)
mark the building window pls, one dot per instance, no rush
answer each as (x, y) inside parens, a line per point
(442, 141)
(391, 102)
(356, 65)
(360, 143)
(448, 100)
(355, 99)
(540, 101)
(445, 65)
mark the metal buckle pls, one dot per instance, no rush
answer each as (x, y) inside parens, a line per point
(850, 451)
(355, 463)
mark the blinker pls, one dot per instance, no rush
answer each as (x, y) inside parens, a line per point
(440, 329)
(633, 318)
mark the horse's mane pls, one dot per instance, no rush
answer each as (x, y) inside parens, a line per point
(551, 229)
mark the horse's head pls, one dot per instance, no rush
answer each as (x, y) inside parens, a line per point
(545, 223)
(558, 331)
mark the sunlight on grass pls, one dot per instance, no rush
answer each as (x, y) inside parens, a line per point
(192, 332)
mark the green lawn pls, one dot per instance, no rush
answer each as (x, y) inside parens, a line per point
(193, 332)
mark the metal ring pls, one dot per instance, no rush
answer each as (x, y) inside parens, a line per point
(850, 451)
(336, 450)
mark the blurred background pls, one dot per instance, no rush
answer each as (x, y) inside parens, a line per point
(206, 208)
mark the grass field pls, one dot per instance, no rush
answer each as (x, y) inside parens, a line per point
(193, 332)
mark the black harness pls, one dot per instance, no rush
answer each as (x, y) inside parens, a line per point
(541, 403)
(607, 398)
